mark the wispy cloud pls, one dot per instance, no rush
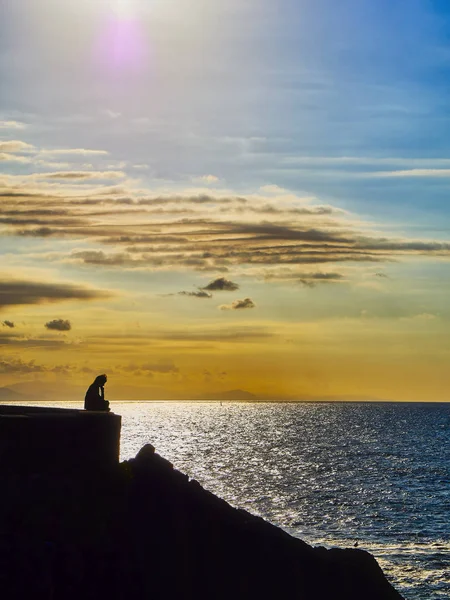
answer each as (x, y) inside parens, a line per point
(17, 366)
(231, 335)
(215, 232)
(206, 179)
(81, 175)
(14, 158)
(18, 292)
(367, 161)
(413, 173)
(12, 125)
(162, 368)
(296, 275)
(312, 279)
(73, 151)
(197, 294)
(15, 146)
(238, 305)
(145, 232)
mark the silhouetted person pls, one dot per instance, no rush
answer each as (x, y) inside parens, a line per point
(95, 396)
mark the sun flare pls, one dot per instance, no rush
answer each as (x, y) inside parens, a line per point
(124, 8)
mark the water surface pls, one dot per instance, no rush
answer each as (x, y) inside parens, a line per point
(334, 474)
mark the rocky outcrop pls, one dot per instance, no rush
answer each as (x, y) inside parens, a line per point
(143, 530)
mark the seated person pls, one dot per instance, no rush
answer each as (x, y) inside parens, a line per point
(95, 396)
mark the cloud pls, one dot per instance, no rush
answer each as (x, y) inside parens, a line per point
(192, 199)
(364, 161)
(111, 113)
(221, 284)
(312, 279)
(293, 274)
(29, 342)
(8, 157)
(199, 294)
(241, 334)
(82, 175)
(413, 173)
(238, 304)
(273, 189)
(51, 164)
(12, 125)
(59, 325)
(161, 367)
(39, 232)
(74, 151)
(148, 260)
(15, 146)
(24, 220)
(150, 369)
(425, 317)
(158, 240)
(9, 324)
(207, 179)
(98, 257)
(14, 293)
(16, 365)
(35, 212)
(273, 210)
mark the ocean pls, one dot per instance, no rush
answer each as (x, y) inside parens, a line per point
(375, 475)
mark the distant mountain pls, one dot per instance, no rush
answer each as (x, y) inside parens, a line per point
(43, 391)
(8, 395)
(241, 395)
(348, 398)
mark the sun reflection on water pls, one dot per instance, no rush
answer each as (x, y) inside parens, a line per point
(331, 474)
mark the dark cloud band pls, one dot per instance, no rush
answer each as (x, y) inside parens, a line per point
(14, 293)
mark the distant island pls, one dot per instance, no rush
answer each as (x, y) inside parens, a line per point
(32, 392)
(8, 395)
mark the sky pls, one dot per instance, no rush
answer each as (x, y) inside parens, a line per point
(198, 197)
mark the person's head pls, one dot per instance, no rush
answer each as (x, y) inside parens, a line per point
(101, 380)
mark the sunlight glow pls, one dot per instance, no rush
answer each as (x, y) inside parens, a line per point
(124, 9)
(122, 45)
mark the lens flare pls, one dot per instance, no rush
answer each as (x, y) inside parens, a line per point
(122, 45)
(123, 8)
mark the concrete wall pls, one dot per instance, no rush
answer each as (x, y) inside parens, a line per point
(35, 439)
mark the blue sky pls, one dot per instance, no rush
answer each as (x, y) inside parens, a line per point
(260, 84)
(330, 116)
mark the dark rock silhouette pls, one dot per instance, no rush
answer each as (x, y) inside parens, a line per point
(142, 530)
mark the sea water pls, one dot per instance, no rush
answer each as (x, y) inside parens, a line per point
(375, 475)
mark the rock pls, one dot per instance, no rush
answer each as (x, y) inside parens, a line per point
(146, 452)
(145, 531)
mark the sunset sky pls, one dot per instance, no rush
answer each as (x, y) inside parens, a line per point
(199, 196)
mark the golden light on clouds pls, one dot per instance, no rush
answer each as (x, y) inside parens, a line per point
(189, 287)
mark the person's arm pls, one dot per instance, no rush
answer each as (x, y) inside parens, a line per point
(102, 392)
